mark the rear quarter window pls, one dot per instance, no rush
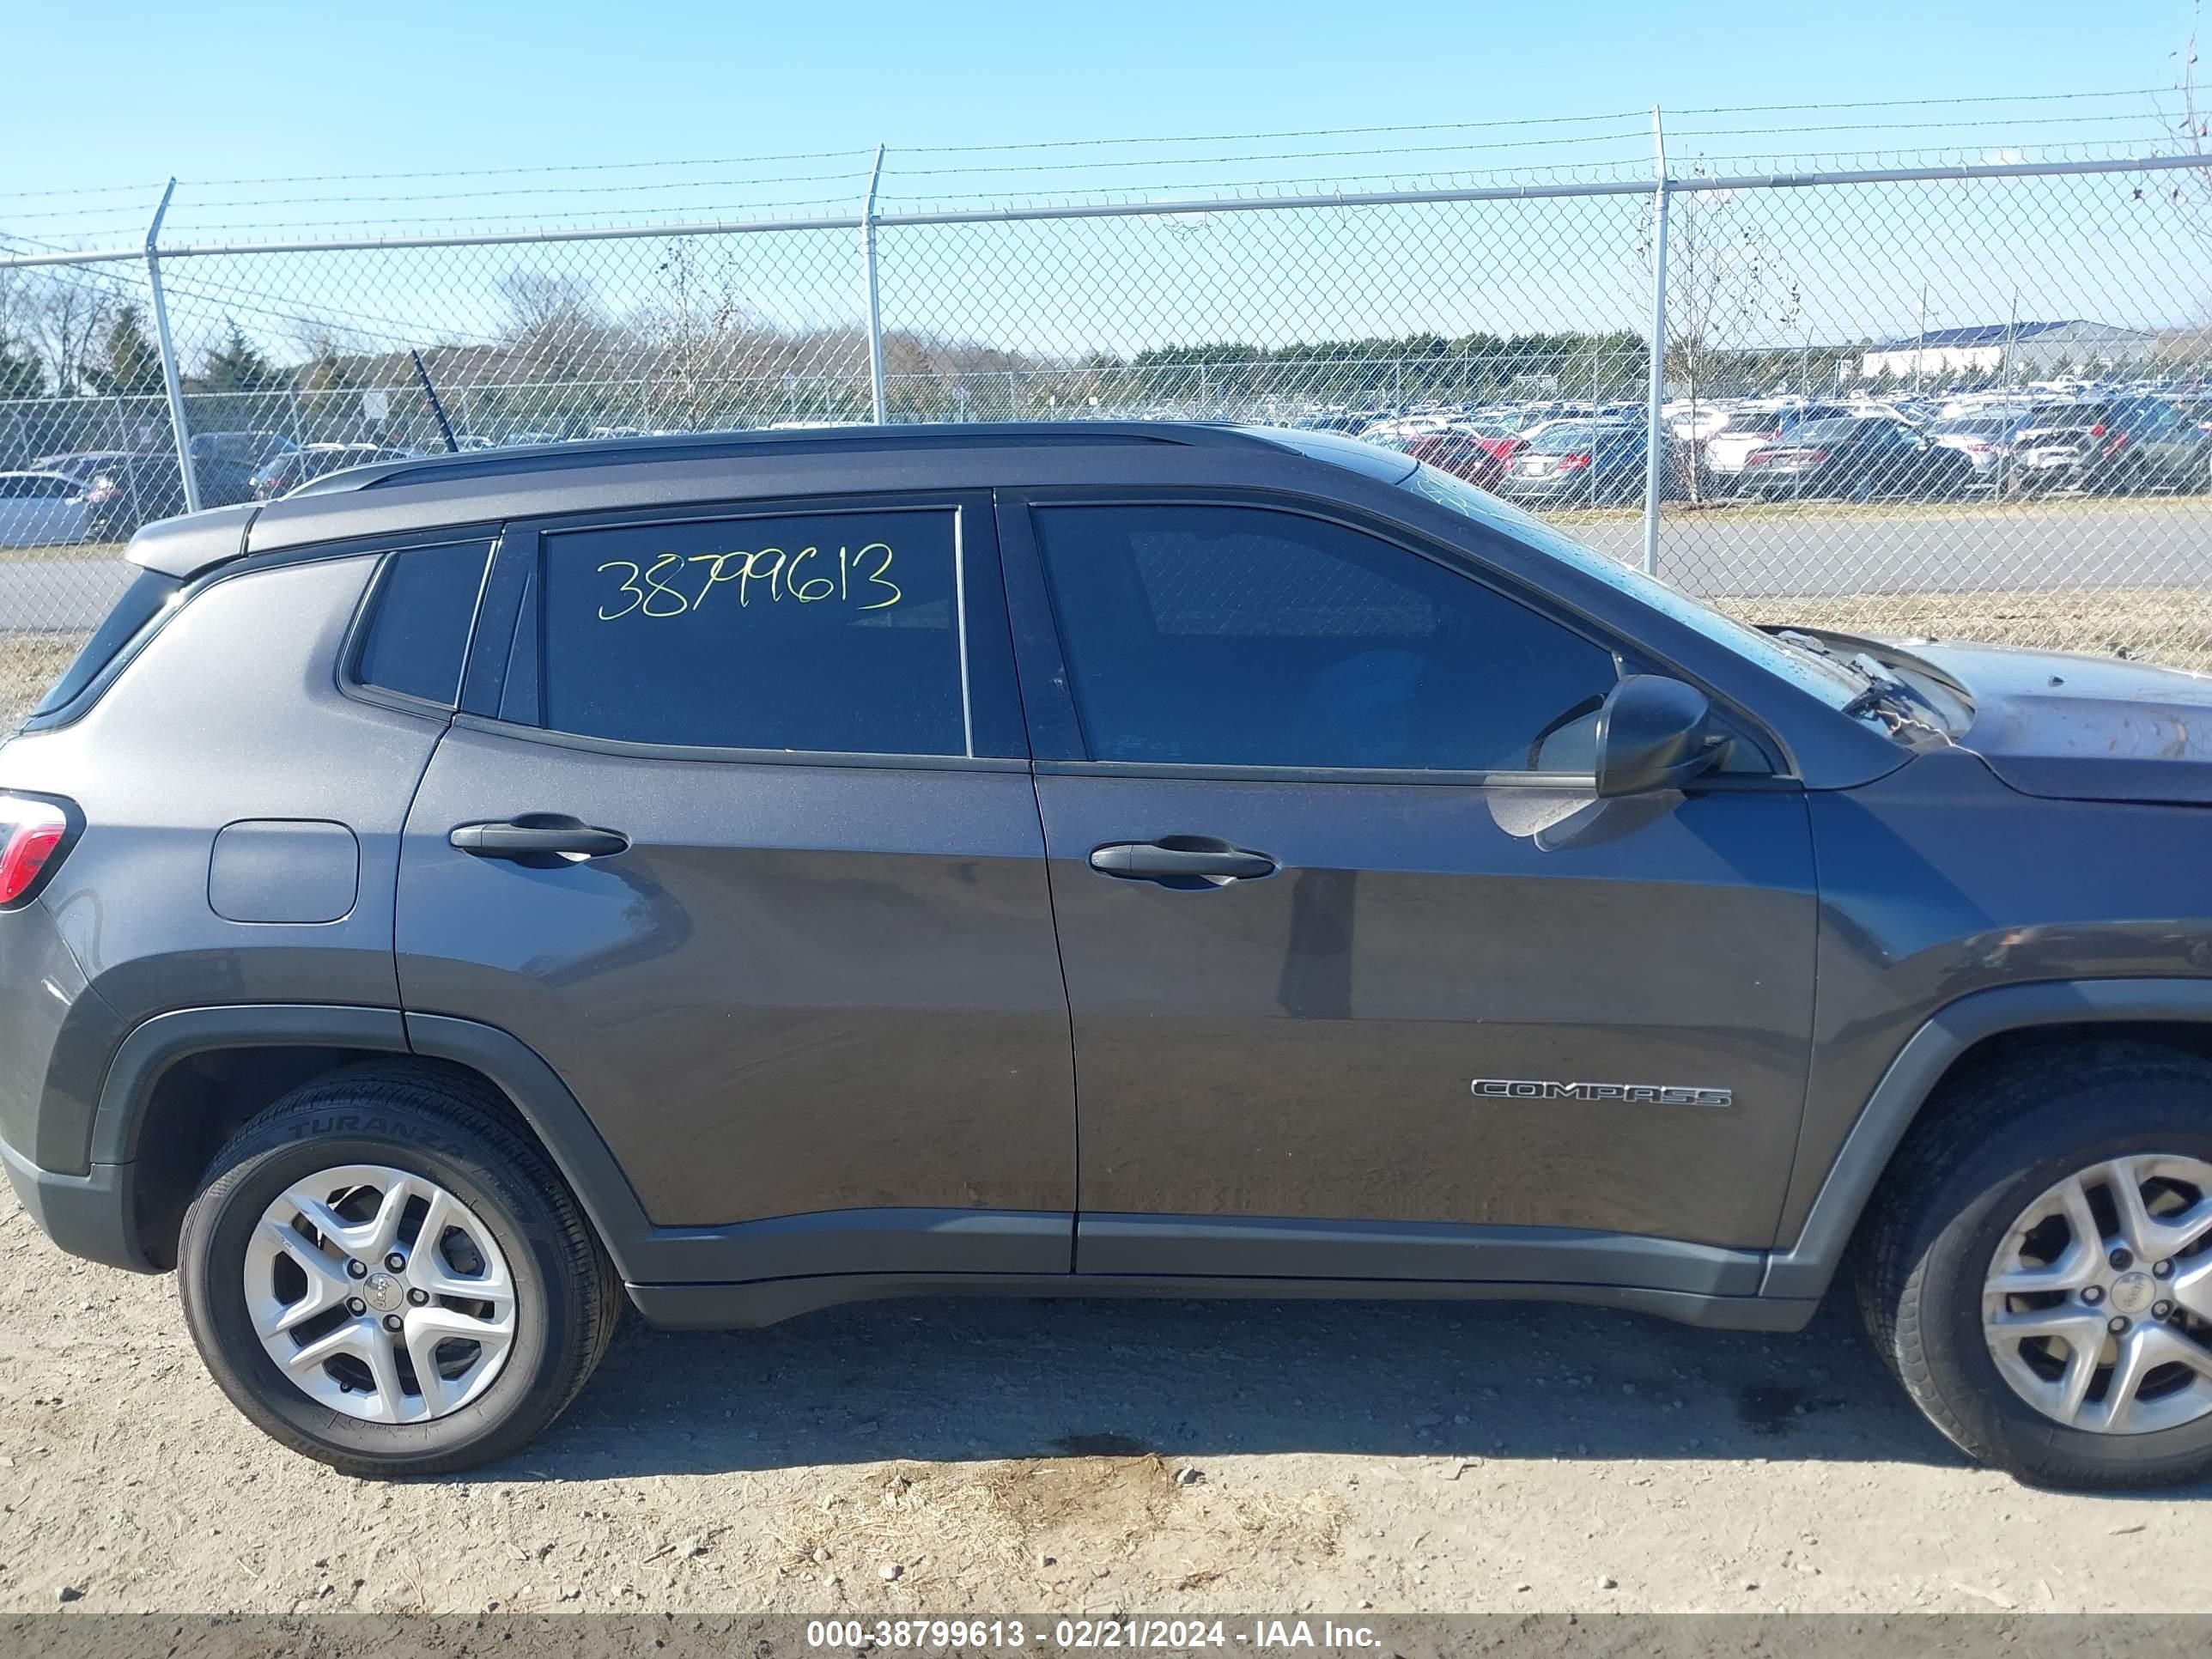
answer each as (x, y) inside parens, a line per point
(419, 616)
(148, 596)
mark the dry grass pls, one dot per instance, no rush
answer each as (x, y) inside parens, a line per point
(29, 663)
(2153, 624)
(92, 550)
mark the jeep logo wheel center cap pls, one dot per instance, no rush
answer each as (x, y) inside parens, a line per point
(383, 1292)
(2132, 1293)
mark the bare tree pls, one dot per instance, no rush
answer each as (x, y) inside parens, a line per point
(67, 314)
(557, 329)
(1718, 267)
(692, 333)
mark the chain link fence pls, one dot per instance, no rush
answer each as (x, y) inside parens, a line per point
(1967, 399)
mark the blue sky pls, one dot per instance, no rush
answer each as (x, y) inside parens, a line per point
(217, 90)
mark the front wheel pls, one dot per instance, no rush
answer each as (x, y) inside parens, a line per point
(383, 1273)
(2042, 1285)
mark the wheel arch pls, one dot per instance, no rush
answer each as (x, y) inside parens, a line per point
(1974, 1030)
(181, 1083)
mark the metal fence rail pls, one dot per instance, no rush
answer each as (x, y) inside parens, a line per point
(1678, 324)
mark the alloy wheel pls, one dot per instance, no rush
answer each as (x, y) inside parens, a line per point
(2097, 1306)
(380, 1294)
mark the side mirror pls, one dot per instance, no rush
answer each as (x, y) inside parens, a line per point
(1652, 733)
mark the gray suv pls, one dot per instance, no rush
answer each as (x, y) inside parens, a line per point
(740, 874)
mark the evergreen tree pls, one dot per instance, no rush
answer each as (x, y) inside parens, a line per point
(125, 363)
(22, 374)
(237, 365)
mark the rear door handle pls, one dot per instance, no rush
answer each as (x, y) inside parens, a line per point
(537, 836)
(1188, 860)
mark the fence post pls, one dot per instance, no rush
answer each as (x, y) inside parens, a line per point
(1655, 437)
(178, 424)
(875, 305)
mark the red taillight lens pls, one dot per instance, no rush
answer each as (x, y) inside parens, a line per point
(2098, 430)
(33, 830)
(1570, 463)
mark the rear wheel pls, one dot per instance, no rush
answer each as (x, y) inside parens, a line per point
(2043, 1286)
(384, 1274)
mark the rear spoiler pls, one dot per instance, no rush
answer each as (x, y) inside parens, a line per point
(184, 547)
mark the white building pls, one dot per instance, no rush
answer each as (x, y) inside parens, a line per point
(2030, 350)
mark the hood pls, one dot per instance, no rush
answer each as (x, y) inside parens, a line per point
(2084, 728)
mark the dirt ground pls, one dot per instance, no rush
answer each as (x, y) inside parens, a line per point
(965, 1457)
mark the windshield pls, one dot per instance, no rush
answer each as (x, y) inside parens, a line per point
(1564, 439)
(1803, 669)
(1831, 431)
(2071, 415)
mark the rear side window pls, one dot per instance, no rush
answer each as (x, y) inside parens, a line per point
(419, 620)
(828, 632)
(144, 600)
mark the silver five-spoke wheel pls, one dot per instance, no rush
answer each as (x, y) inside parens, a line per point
(380, 1294)
(2098, 1303)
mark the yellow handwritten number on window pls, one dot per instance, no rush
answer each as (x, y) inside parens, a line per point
(771, 565)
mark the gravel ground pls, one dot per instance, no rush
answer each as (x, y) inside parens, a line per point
(965, 1457)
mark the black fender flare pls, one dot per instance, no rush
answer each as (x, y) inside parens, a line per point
(1806, 1268)
(639, 1249)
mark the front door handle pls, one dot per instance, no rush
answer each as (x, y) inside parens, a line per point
(537, 836)
(1186, 860)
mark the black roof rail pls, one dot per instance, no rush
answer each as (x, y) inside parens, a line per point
(710, 446)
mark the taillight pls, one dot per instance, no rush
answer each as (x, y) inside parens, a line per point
(1570, 463)
(2098, 430)
(33, 830)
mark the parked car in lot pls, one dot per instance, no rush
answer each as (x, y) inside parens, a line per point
(1723, 453)
(2116, 445)
(1479, 457)
(41, 509)
(288, 470)
(130, 490)
(1985, 438)
(1576, 464)
(78, 464)
(251, 450)
(703, 874)
(1856, 457)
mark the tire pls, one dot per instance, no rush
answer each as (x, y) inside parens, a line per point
(430, 1127)
(2007, 1137)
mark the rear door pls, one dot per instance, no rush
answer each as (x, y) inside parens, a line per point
(1364, 984)
(736, 830)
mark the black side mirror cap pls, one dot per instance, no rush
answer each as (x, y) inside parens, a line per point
(1652, 733)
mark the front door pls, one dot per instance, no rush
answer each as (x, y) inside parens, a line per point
(1355, 994)
(737, 832)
